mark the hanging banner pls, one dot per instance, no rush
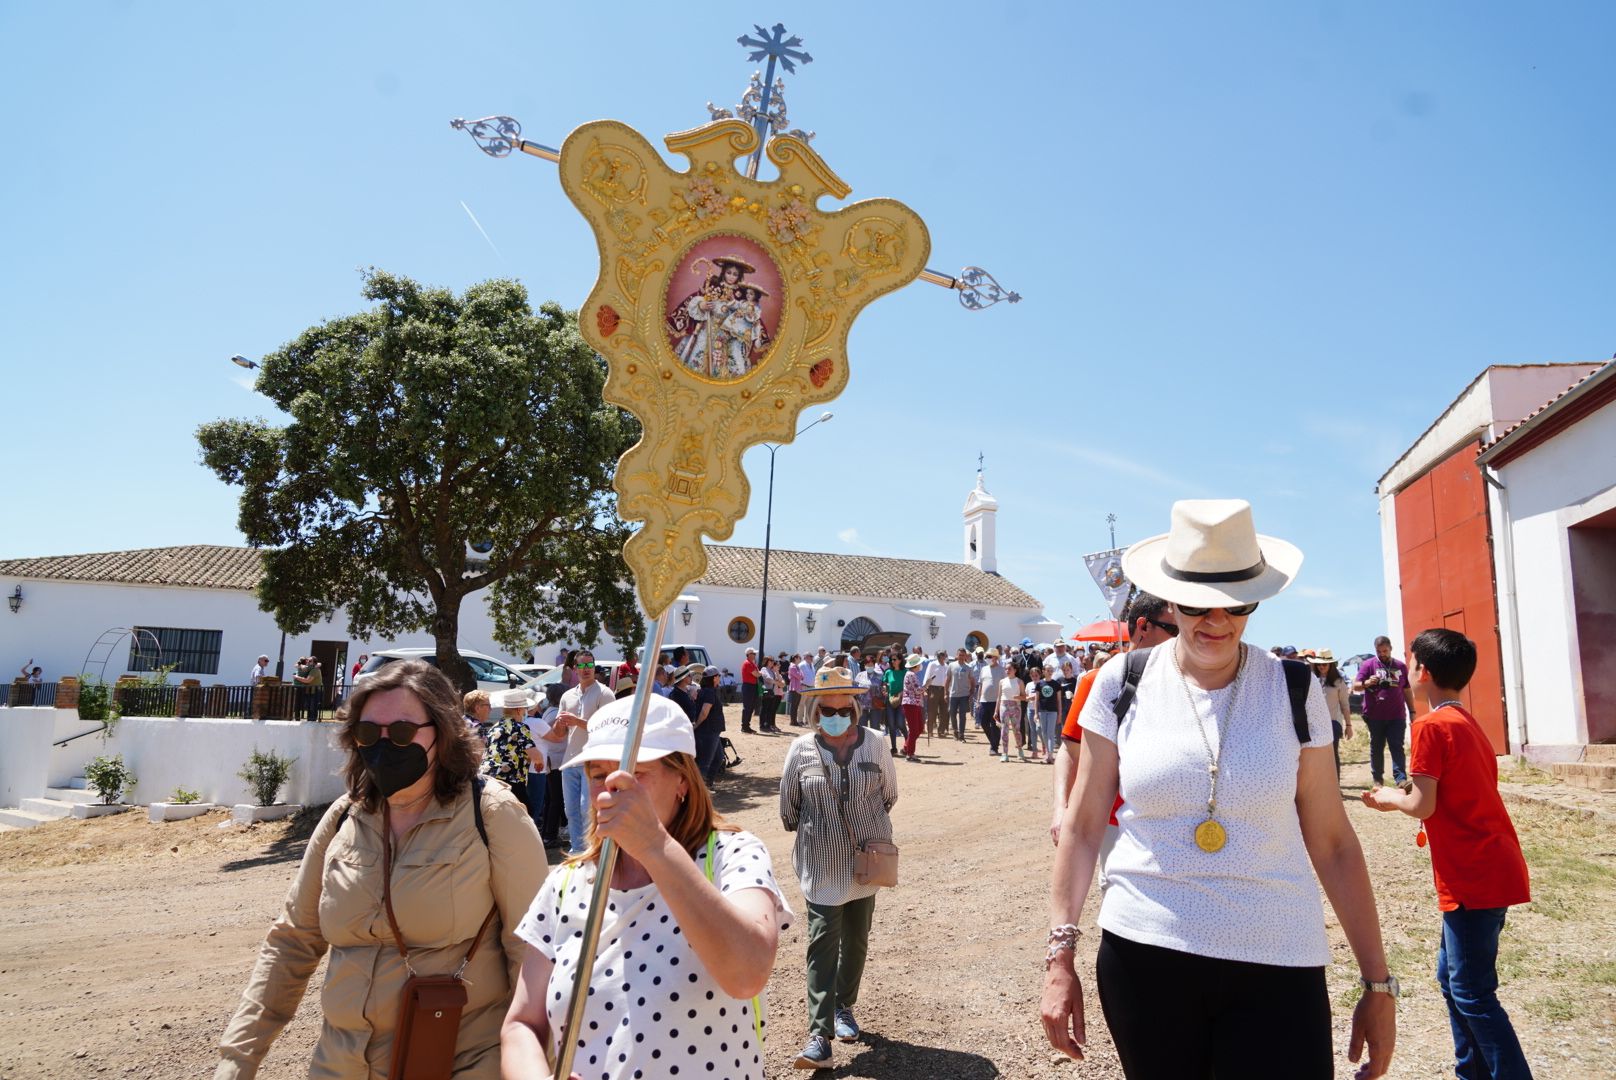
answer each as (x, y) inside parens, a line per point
(1106, 567)
(722, 310)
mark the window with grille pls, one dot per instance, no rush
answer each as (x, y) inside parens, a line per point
(857, 630)
(190, 652)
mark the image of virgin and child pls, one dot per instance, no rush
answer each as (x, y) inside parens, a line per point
(718, 330)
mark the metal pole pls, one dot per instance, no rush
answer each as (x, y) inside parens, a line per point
(762, 122)
(280, 661)
(768, 532)
(607, 862)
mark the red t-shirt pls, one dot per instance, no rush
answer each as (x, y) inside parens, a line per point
(1475, 855)
(748, 673)
(1074, 731)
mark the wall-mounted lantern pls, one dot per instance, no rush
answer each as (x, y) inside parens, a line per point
(14, 601)
(809, 622)
(684, 616)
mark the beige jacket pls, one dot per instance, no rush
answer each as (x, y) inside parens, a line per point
(444, 881)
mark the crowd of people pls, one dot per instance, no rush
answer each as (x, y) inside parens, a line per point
(1192, 781)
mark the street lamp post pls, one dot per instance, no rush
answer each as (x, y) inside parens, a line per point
(768, 529)
(280, 658)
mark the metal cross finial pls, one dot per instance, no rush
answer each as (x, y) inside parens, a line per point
(778, 48)
(979, 460)
(1111, 520)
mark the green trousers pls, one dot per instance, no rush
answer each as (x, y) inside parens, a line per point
(838, 941)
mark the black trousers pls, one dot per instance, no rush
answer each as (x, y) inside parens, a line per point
(1177, 1016)
(749, 703)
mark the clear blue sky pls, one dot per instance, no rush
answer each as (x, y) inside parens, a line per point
(1262, 245)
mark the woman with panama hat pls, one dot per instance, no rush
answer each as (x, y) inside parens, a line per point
(838, 784)
(1212, 929)
(1337, 698)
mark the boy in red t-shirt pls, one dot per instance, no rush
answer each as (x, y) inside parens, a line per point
(1475, 855)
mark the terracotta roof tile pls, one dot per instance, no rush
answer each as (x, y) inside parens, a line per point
(210, 566)
(859, 575)
(205, 566)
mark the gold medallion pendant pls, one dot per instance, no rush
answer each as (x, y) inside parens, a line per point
(1210, 836)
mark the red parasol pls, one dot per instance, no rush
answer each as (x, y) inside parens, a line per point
(1105, 630)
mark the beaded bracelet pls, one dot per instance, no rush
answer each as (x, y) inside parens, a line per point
(1062, 937)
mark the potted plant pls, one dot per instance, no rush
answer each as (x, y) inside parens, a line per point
(265, 774)
(182, 803)
(110, 778)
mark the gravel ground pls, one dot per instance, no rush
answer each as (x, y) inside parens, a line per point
(125, 945)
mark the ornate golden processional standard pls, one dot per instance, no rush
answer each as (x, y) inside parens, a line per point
(722, 307)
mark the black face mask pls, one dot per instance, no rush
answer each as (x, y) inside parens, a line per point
(394, 768)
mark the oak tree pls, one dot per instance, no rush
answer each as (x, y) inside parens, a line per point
(419, 426)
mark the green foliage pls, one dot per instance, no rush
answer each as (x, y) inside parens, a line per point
(97, 703)
(110, 777)
(426, 422)
(266, 774)
(158, 676)
(184, 796)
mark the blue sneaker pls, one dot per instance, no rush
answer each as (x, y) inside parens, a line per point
(815, 1054)
(847, 1029)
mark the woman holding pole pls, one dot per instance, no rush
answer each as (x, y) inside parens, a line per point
(688, 937)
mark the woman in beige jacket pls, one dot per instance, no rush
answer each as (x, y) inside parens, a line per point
(411, 769)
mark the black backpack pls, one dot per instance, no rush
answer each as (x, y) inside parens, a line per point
(1297, 680)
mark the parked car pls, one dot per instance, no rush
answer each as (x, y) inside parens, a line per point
(698, 653)
(492, 674)
(532, 671)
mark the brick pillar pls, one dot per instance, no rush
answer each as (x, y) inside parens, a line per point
(67, 692)
(190, 689)
(267, 685)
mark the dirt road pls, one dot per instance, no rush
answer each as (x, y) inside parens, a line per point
(124, 945)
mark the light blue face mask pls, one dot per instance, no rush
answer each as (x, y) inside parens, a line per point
(835, 725)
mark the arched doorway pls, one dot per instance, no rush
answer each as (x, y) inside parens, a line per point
(857, 630)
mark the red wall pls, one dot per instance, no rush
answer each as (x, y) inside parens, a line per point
(1444, 554)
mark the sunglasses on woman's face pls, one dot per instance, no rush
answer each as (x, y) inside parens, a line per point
(399, 732)
(1197, 612)
(829, 710)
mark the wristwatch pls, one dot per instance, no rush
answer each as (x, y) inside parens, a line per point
(1390, 986)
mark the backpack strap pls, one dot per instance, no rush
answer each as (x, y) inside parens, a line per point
(1297, 680)
(1137, 659)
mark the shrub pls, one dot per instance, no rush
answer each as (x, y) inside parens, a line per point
(266, 774)
(184, 796)
(110, 777)
(97, 703)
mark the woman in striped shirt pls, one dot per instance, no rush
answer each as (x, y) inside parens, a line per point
(838, 784)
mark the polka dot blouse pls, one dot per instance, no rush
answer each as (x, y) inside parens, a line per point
(653, 1009)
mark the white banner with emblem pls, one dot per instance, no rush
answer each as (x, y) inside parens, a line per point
(1106, 566)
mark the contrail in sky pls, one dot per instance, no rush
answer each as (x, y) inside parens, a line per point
(480, 228)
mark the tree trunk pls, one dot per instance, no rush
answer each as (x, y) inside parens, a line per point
(446, 632)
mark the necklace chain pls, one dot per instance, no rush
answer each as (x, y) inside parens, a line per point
(1214, 760)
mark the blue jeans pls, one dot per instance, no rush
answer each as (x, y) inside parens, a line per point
(575, 797)
(987, 719)
(1484, 1042)
(535, 798)
(1386, 735)
(959, 710)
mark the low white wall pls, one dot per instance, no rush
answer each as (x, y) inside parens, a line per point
(165, 753)
(204, 755)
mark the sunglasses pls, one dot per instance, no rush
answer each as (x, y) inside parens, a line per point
(584, 665)
(1166, 627)
(1197, 612)
(828, 710)
(399, 732)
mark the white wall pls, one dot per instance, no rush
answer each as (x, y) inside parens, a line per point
(1551, 487)
(164, 753)
(60, 621)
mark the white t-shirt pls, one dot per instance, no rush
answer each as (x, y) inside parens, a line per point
(936, 673)
(581, 702)
(539, 726)
(1255, 900)
(654, 1010)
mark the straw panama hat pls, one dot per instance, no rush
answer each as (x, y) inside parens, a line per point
(831, 680)
(667, 731)
(1322, 656)
(1211, 557)
(914, 661)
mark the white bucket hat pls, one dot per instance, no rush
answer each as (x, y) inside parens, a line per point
(667, 731)
(1212, 557)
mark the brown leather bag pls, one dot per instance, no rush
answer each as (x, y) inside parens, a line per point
(875, 862)
(430, 1006)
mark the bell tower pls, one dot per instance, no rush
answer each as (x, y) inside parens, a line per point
(981, 509)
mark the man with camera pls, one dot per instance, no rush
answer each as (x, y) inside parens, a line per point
(1388, 702)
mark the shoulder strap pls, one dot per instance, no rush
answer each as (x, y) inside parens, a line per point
(477, 787)
(1137, 659)
(1297, 680)
(387, 889)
